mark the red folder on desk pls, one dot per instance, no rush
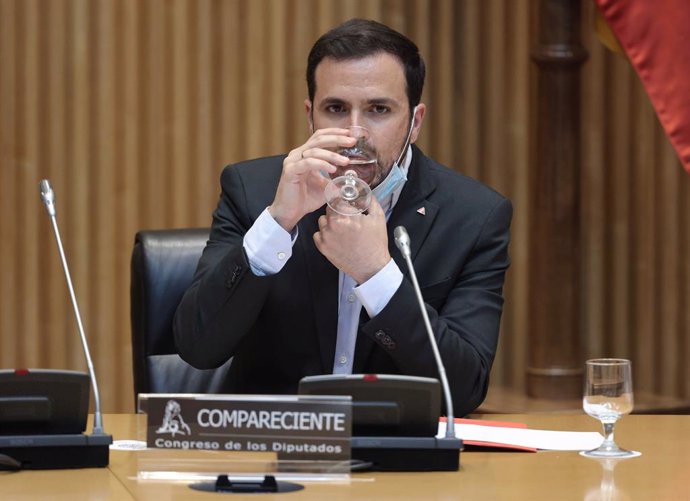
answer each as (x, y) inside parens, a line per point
(481, 422)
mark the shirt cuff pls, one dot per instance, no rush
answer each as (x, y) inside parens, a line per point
(375, 293)
(268, 245)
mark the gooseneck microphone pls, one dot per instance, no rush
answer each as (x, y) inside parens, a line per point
(48, 198)
(402, 242)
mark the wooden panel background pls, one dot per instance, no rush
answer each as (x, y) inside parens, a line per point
(131, 108)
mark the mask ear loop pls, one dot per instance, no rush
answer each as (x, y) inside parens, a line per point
(407, 139)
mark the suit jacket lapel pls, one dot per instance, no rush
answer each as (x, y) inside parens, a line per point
(413, 211)
(323, 284)
(418, 223)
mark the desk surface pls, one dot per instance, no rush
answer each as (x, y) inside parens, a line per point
(661, 473)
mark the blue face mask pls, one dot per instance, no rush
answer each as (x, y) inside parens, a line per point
(396, 177)
(394, 180)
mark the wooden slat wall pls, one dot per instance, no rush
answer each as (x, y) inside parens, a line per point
(131, 108)
(636, 230)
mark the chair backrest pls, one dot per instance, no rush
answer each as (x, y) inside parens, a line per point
(163, 265)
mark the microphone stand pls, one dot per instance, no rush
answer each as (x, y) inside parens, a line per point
(402, 241)
(49, 200)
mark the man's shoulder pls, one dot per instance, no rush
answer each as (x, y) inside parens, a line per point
(261, 166)
(255, 176)
(453, 186)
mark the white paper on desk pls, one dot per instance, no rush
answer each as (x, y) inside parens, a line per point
(539, 439)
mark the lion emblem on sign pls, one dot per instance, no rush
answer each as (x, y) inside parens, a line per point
(172, 420)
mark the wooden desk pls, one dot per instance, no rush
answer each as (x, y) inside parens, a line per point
(62, 485)
(662, 472)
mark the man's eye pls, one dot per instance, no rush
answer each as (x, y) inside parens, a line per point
(379, 109)
(335, 108)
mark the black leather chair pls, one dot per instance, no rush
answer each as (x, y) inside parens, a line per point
(163, 264)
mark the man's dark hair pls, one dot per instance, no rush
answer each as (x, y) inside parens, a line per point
(359, 38)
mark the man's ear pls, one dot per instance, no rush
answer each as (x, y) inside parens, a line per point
(417, 120)
(310, 115)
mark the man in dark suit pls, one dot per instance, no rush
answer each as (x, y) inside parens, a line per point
(290, 288)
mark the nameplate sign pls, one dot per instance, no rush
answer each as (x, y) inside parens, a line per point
(294, 427)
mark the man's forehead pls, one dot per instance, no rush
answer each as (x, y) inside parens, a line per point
(375, 59)
(378, 70)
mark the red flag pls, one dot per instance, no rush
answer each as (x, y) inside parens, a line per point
(655, 35)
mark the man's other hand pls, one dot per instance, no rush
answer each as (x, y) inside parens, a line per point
(356, 245)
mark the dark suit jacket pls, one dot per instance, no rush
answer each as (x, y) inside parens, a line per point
(281, 328)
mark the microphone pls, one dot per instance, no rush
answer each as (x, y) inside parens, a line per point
(402, 242)
(48, 198)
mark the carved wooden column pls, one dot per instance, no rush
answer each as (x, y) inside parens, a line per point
(555, 362)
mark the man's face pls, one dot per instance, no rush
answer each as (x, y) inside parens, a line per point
(370, 92)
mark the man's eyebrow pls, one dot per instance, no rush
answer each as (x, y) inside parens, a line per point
(374, 100)
(382, 100)
(332, 100)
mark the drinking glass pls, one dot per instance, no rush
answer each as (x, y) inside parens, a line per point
(348, 194)
(608, 396)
